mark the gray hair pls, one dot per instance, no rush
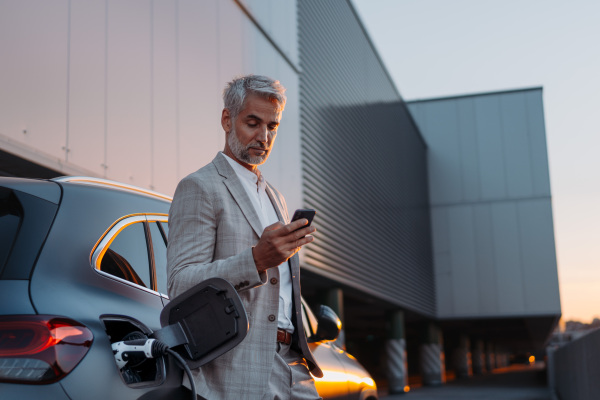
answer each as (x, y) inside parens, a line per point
(236, 91)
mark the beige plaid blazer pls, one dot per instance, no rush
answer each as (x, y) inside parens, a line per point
(212, 228)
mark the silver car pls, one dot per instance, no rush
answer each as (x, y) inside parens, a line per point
(82, 266)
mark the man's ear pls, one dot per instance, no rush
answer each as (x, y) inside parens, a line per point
(226, 120)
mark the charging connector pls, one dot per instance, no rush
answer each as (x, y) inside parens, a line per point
(136, 351)
(198, 326)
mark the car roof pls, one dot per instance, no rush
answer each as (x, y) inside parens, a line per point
(111, 185)
(41, 188)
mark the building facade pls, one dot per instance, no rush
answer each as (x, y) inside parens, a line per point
(492, 227)
(491, 205)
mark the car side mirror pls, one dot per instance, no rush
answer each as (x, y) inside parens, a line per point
(329, 325)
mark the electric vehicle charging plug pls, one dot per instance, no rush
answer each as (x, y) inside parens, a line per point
(137, 350)
(198, 326)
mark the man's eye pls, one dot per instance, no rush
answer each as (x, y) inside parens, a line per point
(252, 125)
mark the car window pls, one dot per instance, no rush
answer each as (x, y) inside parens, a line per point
(127, 256)
(25, 220)
(308, 320)
(165, 227)
(10, 219)
(160, 257)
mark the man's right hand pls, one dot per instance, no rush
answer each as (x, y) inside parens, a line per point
(279, 242)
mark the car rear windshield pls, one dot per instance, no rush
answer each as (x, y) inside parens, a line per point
(11, 215)
(24, 223)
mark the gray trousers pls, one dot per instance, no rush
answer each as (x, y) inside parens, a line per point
(290, 379)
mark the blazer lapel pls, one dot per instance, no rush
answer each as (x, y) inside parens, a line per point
(233, 184)
(293, 261)
(276, 203)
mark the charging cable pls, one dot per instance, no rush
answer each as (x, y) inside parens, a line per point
(137, 350)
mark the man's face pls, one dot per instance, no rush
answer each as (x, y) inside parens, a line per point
(253, 132)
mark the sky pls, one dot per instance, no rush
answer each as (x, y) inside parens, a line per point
(435, 48)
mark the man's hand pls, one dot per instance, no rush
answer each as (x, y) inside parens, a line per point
(279, 242)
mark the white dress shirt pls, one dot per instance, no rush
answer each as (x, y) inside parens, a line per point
(255, 188)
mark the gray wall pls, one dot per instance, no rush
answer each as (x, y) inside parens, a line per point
(131, 90)
(493, 236)
(364, 164)
(574, 368)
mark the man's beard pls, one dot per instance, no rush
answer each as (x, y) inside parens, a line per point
(242, 153)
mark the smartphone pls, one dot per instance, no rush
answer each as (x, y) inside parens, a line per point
(307, 213)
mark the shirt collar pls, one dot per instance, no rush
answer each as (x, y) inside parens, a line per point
(246, 174)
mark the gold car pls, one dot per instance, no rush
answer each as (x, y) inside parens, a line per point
(343, 376)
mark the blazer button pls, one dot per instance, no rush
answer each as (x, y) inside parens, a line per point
(272, 318)
(246, 283)
(237, 287)
(273, 281)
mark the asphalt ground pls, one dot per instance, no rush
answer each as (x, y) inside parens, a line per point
(512, 383)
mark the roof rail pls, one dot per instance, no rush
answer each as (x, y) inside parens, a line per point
(87, 180)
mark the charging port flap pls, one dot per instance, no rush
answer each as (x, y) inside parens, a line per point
(204, 322)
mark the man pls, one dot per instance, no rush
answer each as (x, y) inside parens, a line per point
(227, 221)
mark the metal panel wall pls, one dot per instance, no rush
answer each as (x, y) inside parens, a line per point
(493, 237)
(278, 21)
(128, 91)
(364, 164)
(132, 90)
(574, 368)
(87, 62)
(33, 99)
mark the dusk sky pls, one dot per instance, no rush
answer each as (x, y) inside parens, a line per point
(435, 48)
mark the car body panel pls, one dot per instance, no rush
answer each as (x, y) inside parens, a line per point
(359, 380)
(343, 376)
(15, 391)
(333, 384)
(14, 297)
(341, 369)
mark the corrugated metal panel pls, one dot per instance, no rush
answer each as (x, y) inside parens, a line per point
(364, 164)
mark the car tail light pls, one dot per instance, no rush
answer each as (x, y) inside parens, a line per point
(40, 349)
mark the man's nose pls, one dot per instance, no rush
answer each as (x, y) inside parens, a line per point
(262, 134)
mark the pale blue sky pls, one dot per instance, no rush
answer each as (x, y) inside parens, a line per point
(435, 48)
